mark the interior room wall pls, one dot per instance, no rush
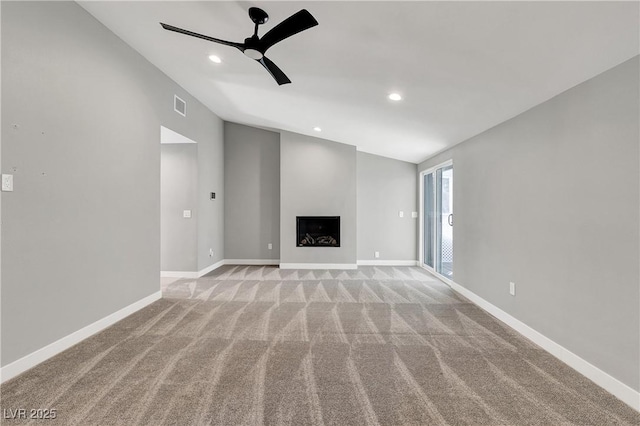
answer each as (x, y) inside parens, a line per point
(385, 187)
(178, 192)
(252, 188)
(210, 214)
(550, 201)
(317, 178)
(81, 231)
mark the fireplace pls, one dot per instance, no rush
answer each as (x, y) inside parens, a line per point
(318, 231)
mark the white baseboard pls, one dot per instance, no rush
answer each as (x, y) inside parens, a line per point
(178, 274)
(612, 385)
(194, 275)
(388, 262)
(318, 266)
(23, 364)
(252, 261)
(209, 268)
(205, 271)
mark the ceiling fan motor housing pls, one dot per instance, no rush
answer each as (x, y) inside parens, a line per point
(252, 48)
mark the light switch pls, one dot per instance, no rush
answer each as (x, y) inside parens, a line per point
(414, 214)
(7, 183)
(400, 213)
(186, 214)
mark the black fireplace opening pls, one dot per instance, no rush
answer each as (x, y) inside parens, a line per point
(318, 231)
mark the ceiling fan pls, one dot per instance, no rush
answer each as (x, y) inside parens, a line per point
(255, 47)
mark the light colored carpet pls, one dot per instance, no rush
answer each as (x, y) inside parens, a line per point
(251, 345)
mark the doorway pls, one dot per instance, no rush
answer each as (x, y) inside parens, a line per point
(436, 205)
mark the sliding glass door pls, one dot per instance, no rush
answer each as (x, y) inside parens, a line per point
(437, 219)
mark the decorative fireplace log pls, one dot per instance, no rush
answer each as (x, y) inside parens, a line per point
(308, 240)
(327, 240)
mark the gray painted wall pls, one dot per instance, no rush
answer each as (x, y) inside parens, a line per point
(189, 174)
(178, 192)
(385, 187)
(81, 231)
(210, 214)
(317, 178)
(550, 200)
(252, 188)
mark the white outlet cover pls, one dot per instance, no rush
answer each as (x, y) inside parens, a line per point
(414, 214)
(186, 214)
(376, 254)
(270, 246)
(7, 183)
(401, 213)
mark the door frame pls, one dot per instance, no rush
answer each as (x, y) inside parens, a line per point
(421, 214)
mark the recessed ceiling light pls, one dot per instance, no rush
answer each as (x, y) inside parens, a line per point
(215, 59)
(395, 97)
(317, 129)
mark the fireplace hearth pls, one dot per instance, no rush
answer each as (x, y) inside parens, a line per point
(318, 231)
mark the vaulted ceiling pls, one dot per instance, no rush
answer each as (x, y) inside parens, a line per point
(461, 67)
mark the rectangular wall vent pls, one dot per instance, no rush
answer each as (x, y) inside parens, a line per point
(179, 106)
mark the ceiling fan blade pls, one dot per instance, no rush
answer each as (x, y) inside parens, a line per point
(294, 24)
(275, 72)
(239, 46)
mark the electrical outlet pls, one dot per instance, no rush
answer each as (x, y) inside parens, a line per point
(401, 213)
(270, 246)
(414, 215)
(210, 252)
(376, 254)
(512, 289)
(186, 214)
(7, 183)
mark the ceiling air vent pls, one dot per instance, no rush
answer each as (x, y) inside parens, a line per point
(179, 106)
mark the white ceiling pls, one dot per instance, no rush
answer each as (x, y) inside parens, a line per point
(462, 67)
